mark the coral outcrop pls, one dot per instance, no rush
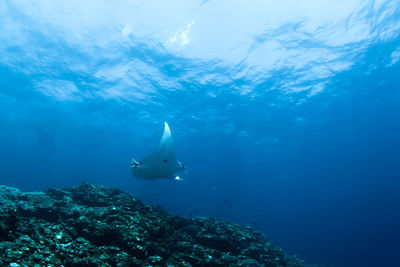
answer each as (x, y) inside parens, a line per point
(97, 226)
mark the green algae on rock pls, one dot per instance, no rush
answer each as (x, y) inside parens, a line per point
(97, 226)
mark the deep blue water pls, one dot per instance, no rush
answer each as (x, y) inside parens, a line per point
(287, 115)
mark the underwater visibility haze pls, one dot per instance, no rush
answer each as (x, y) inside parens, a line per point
(286, 113)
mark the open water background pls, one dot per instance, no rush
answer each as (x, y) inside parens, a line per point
(287, 114)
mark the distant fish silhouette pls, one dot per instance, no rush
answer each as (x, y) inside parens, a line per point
(161, 163)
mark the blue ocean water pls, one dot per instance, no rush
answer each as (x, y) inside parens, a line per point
(286, 114)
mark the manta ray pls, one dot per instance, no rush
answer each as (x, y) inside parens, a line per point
(161, 163)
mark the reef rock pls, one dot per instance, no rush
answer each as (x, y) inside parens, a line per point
(97, 226)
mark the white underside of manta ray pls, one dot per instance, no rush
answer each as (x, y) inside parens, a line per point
(161, 163)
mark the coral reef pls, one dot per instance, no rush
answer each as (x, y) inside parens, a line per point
(97, 226)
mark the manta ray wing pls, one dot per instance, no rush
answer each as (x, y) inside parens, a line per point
(161, 163)
(165, 151)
